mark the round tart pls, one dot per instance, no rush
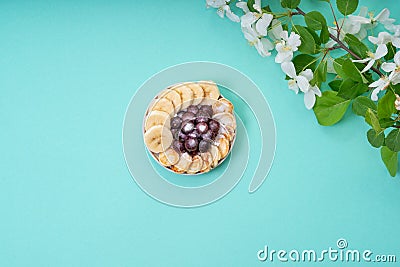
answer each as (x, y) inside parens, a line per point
(190, 128)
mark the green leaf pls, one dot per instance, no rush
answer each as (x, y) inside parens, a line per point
(347, 7)
(376, 140)
(361, 104)
(316, 38)
(391, 51)
(315, 20)
(351, 89)
(324, 35)
(319, 74)
(337, 65)
(372, 119)
(329, 109)
(351, 71)
(290, 3)
(393, 140)
(390, 159)
(250, 4)
(356, 45)
(386, 122)
(335, 85)
(386, 105)
(307, 41)
(304, 61)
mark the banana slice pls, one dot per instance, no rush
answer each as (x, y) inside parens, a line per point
(174, 97)
(222, 105)
(157, 117)
(186, 94)
(211, 92)
(227, 119)
(168, 157)
(163, 104)
(227, 131)
(158, 138)
(198, 93)
(207, 161)
(197, 163)
(223, 146)
(183, 164)
(214, 155)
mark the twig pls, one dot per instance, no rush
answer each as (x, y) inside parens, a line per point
(343, 46)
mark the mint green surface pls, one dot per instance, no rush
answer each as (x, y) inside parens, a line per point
(67, 73)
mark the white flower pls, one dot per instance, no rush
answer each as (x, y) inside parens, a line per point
(351, 25)
(276, 30)
(383, 38)
(222, 8)
(371, 21)
(287, 46)
(393, 68)
(397, 102)
(302, 82)
(262, 20)
(263, 45)
(381, 51)
(379, 85)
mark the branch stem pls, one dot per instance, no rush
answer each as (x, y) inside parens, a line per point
(342, 45)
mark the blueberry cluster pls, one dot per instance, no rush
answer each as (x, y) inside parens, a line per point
(193, 129)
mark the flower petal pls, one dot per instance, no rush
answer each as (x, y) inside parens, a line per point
(263, 23)
(361, 60)
(288, 69)
(388, 67)
(358, 19)
(396, 42)
(294, 41)
(243, 6)
(381, 51)
(284, 56)
(267, 44)
(316, 90)
(383, 15)
(309, 99)
(303, 83)
(276, 30)
(232, 16)
(397, 58)
(308, 74)
(374, 94)
(248, 19)
(293, 86)
(369, 65)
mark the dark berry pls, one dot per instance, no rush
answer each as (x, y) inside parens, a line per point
(207, 109)
(182, 136)
(204, 146)
(175, 133)
(187, 116)
(202, 127)
(214, 126)
(191, 144)
(202, 114)
(187, 127)
(180, 114)
(207, 135)
(176, 122)
(202, 119)
(194, 134)
(178, 146)
(193, 109)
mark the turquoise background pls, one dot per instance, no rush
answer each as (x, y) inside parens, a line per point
(67, 72)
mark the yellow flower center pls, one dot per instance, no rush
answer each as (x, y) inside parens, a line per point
(370, 54)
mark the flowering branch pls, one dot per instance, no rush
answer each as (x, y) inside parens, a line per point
(367, 71)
